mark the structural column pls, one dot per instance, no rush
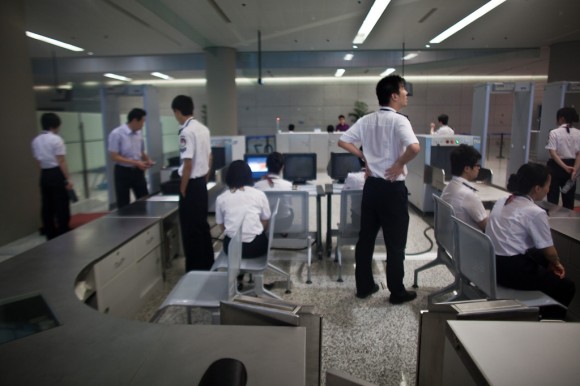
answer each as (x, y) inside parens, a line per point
(564, 59)
(222, 109)
(20, 193)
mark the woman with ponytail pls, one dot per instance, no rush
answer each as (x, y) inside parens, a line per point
(564, 162)
(526, 258)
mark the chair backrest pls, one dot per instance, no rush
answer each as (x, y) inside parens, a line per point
(443, 226)
(438, 178)
(293, 217)
(350, 211)
(272, 224)
(234, 261)
(477, 257)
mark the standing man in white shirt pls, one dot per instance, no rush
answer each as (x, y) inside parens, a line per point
(459, 193)
(389, 143)
(49, 150)
(127, 150)
(195, 154)
(443, 129)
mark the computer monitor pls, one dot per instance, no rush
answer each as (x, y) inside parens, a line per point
(341, 164)
(257, 163)
(218, 160)
(299, 167)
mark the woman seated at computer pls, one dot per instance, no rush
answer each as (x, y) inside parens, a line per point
(274, 181)
(526, 258)
(243, 201)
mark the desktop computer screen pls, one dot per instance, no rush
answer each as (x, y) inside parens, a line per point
(299, 167)
(341, 164)
(257, 163)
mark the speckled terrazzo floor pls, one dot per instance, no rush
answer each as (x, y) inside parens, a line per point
(370, 339)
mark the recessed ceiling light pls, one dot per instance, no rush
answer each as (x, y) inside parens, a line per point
(118, 77)
(160, 75)
(410, 56)
(53, 42)
(348, 56)
(354, 46)
(371, 19)
(466, 21)
(340, 72)
(388, 71)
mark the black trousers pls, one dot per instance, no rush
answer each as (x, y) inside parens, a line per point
(126, 179)
(55, 210)
(559, 178)
(384, 205)
(195, 234)
(530, 272)
(256, 248)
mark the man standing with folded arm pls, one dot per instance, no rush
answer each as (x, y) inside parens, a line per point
(389, 143)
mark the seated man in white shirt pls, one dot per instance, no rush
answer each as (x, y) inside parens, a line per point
(443, 129)
(273, 181)
(356, 180)
(459, 193)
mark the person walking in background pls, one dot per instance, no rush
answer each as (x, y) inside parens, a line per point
(459, 193)
(526, 258)
(342, 125)
(127, 150)
(443, 129)
(49, 150)
(195, 154)
(389, 143)
(564, 147)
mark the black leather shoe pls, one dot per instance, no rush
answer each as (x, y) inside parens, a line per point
(405, 296)
(367, 294)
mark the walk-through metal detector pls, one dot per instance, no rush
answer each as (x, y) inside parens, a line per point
(553, 99)
(521, 119)
(151, 131)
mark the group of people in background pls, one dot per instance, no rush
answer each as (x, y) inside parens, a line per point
(519, 229)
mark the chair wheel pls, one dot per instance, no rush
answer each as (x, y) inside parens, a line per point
(309, 282)
(340, 280)
(415, 286)
(288, 292)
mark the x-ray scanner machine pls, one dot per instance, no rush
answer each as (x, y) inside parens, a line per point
(435, 152)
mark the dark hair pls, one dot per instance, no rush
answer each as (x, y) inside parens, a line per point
(443, 118)
(275, 162)
(528, 175)
(291, 127)
(462, 156)
(136, 114)
(569, 114)
(341, 116)
(49, 121)
(183, 104)
(239, 175)
(387, 86)
(330, 128)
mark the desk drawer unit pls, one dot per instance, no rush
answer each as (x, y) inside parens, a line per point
(147, 240)
(150, 274)
(113, 264)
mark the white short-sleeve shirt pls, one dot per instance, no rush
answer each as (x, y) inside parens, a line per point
(354, 181)
(445, 130)
(518, 226)
(566, 145)
(277, 183)
(45, 147)
(127, 143)
(384, 136)
(467, 205)
(249, 204)
(194, 144)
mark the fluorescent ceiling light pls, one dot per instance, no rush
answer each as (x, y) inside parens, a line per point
(339, 72)
(118, 77)
(53, 41)
(466, 21)
(368, 24)
(160, 75)
(388, 71)
(348, 56)
(410, 56)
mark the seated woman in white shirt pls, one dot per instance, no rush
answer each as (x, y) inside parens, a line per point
(525, 254)
(274, 181)
(242, 201)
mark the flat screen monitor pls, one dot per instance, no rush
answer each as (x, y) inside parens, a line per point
(341, 164)
(299, 167)
(218, 160)
(257, 163)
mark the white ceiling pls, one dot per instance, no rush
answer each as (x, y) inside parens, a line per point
(513, 38)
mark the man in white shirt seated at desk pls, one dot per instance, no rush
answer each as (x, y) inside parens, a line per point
(459, 193)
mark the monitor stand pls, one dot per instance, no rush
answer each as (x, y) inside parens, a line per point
(299, 182)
